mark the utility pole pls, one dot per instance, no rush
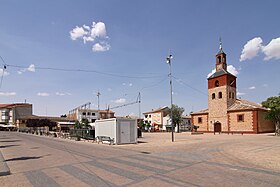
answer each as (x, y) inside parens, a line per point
(168, 61)
(98, 94)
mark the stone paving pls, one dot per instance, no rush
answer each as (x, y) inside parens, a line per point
(192, 160)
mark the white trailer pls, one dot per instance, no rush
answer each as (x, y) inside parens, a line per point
(121, 130)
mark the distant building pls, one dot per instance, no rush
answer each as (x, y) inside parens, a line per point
(11, 112)
(158, 119)
(225, 112)
(90, 114)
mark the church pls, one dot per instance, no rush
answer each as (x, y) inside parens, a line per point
(226, 113)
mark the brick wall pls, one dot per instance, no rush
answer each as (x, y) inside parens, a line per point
(202, 126)
(218, 107)
(263, 124)
(246, 125)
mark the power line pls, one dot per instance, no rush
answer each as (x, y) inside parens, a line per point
(184, 83)
(3, 71)
(86, 71)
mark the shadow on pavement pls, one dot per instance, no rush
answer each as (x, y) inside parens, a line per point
(5, 146)
(24, 158)
(7, 141)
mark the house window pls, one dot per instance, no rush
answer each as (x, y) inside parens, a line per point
(240, 118)
(84, 113)
(146, 116)
(220, 95)
(217, 83)
(93, 114)
(150, 116)
(213, 95)
(200, 120)
(88, 113)
(93, 120)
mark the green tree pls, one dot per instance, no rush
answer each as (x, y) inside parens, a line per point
(85, 123)
(176, 115)
(78, 125)
(273, 103)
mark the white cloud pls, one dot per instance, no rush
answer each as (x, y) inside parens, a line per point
(272, 50)
(62, 94)
(123, 84)
(77, 32)
(5, 72)
(31, 68)
(252, 88)
(211, 73)
(100, 47)
(96, 34)
(240, 93)
(119, 101)
(8, 93)
(109, 89)
(265, 85)
(43, 94)
(98, 30)
(251, 49)
(230, 68)
(130, 84)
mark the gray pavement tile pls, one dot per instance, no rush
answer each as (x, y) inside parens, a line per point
(39, 178)
(257, 170)
(137, 165)
(88, 178)
(4, 169)
(118, 171)
(158, 161)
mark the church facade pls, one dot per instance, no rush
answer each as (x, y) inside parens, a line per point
(225, 112)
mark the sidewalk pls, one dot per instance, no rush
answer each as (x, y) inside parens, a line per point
(4, 169)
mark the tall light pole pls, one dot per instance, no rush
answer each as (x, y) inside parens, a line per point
(98, 94)
(168, 61)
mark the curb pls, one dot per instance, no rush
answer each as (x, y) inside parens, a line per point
(4, 169)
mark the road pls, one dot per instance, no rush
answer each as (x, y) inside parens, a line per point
(192, 160)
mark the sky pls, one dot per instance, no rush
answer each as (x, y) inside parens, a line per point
(59, 54)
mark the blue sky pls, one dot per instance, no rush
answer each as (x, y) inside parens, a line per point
(128, 44)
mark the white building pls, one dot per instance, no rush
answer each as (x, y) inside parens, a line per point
(11, 112)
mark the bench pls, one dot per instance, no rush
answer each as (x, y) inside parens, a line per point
(103, 139)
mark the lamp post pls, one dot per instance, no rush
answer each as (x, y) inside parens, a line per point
(168, 61)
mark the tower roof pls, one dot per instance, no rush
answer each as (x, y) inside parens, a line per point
(220, 73)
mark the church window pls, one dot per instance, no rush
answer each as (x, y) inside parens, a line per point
(219, 59)
(220, 95)
(232, 95)
(199, 119)
(213, 96)
(229, 95)
(240, 118)
(216, 83)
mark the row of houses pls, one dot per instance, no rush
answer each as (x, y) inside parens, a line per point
(225, 112)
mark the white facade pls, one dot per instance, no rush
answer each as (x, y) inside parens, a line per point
(122, 130)
(11, 112)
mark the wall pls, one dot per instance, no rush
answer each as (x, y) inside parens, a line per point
(263, 124)
(246, 125)
(202, 126)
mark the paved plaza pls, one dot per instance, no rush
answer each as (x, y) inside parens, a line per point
(192, 160)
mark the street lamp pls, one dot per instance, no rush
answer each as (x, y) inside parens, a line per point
(168, 61)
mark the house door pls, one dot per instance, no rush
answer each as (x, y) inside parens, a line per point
(217, 127)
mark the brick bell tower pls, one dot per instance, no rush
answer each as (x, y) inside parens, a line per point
(221, 93)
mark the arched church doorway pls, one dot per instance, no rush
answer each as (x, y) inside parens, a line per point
(217, 127)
